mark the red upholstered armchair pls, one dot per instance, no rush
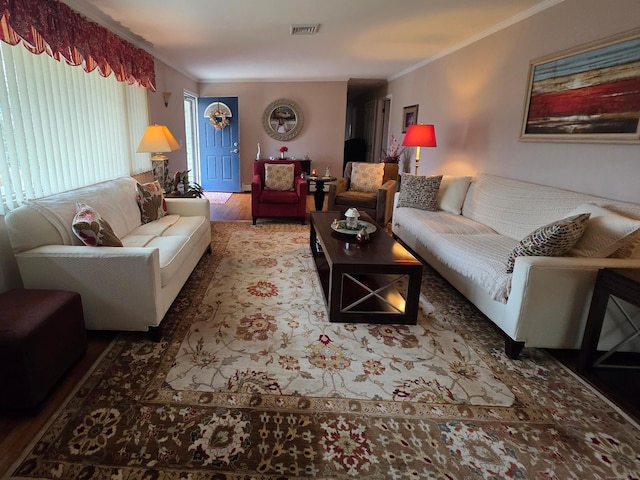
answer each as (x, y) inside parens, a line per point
(274, 193)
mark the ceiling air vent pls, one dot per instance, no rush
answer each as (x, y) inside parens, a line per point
(305, 29)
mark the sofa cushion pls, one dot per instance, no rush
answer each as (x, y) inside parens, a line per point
(357, 199)
(151, 201)
(420, 192)
(173, 250)
(92, 229)
(278, 176)
(417, 221)
(481, 257)
(366, 177)
(48, 220)
(137, 240)
(278, 196)
(156, 228)
(452, 191)
(188, 227)
(552, 240)
(516, 208)
(605, 232)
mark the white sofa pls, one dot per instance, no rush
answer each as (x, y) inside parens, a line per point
(545, 301)
(122, 288)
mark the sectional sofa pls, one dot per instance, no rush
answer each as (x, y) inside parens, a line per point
(479, 222)
(128, 287)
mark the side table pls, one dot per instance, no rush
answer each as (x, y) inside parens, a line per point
(318, 196)
(611, 284)
(180, 195)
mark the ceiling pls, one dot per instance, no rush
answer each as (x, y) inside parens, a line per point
(250, 40)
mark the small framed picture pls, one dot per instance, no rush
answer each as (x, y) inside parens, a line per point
(409, 117)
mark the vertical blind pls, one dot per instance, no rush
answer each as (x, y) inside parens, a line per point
(63, 128)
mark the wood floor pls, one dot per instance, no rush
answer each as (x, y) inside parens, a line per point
(238, 207)
(19, 429)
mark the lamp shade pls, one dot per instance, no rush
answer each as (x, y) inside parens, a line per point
(157, 139)
(420, 135)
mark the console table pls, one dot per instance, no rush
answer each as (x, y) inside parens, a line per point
(611, 284)
(305, 164)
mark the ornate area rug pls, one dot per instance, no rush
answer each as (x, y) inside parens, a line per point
(217, 198)
(252, 382)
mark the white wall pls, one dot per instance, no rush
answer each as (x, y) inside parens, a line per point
(475, 97)
(323, 106)
(170, 80)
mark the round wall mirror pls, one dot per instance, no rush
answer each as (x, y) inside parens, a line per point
(282, 119)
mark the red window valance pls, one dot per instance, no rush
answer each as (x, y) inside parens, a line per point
(52, 27)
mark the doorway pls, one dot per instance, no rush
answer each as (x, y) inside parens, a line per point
(218, 144)
(376, 127)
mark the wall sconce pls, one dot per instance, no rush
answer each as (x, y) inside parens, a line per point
(166, 96)
(420, 135)
(157, 139)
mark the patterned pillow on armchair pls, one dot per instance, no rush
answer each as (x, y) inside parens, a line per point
(278, 177)
(366, 177)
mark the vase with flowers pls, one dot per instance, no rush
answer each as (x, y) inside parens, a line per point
(283, 150)
(392, 155)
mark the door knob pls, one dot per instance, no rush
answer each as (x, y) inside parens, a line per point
(235, 150)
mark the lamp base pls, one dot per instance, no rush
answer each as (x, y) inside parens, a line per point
(161, 172)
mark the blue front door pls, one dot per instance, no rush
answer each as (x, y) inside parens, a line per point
(219, 151)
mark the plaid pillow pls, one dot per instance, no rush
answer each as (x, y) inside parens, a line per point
(552, 240)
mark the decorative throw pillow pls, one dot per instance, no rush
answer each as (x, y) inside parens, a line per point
(552, 240)
(366, 177)
(92, 229)
(453, 190)
(151, 201)
(278, 176)
(418, 191)
(629, 249)
(606, 232)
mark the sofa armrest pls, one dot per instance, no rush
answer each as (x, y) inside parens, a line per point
(120, 287)
(189, 207)
(336, 188)
(551, 296)
(384, 203)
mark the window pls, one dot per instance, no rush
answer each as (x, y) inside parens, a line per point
(191, 132)
(62, 128)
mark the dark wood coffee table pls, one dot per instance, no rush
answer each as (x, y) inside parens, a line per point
(374, 282)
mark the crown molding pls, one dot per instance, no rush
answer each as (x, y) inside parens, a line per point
(496, 28)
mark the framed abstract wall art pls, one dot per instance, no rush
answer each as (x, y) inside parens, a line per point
(586, 94)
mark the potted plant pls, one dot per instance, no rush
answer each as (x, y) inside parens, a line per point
(182, 186)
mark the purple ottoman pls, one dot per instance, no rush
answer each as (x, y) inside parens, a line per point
(41, 335)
